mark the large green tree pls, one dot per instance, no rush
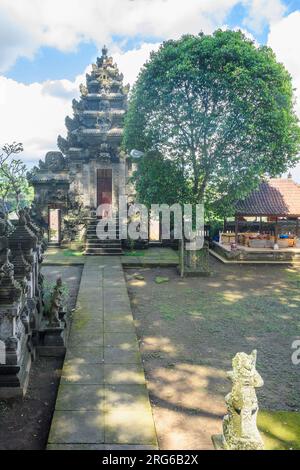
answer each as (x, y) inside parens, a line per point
(15, 191)
(218, 107)
(170, 185)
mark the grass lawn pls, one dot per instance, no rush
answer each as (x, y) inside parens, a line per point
(190, 329)
(63, 256)
(280, 429)
(134, 253)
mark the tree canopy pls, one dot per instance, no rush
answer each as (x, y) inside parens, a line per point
(14, 188)
(220, 109)
(169, 184)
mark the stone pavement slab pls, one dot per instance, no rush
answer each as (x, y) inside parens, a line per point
(99, 447)
(119, 326)
(102, 402)
(85, 355)
(121, 356)
(78, 397)
(124, 374)
(76, 373)
(82, 427)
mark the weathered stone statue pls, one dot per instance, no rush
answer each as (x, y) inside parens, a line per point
(56, 305)
(239, 425)
(54, 332)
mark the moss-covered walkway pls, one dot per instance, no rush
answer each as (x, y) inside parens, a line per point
(102, 401)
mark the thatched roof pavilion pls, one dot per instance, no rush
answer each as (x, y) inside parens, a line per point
(275, 198)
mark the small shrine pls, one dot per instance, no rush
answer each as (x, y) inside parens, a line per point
(90, 169)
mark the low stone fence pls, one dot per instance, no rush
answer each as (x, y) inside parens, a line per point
(25, 326)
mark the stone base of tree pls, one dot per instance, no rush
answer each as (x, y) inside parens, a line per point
(195, 262)
(194, 272)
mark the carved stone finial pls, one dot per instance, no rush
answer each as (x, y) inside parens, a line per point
(83, 89)
(240, 430)
(10, 289)
(104, 51)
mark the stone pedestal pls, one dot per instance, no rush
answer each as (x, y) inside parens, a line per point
(14, 378)
(218, 442)
(53, 342)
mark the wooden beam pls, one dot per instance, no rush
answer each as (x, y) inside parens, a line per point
(276, 230)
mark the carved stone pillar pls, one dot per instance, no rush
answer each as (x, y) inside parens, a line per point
(16, 360)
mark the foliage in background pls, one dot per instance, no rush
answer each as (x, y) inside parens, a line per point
(15, 191)
(219, 111)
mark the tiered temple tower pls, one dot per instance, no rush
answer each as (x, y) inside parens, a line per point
(90, 167)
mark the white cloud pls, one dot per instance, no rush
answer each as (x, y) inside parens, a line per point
(262, 13)
(35, 114)
(31, 116)
(26, 25)
(131, 61)
(284, 38)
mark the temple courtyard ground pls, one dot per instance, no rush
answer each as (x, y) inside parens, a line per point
(188, 330)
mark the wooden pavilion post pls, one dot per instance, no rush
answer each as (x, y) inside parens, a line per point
(276, 230)
(297, 227)
(236, 229)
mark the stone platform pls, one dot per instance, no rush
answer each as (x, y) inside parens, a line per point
(102, 401)
(246, 255)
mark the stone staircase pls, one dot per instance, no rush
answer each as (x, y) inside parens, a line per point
(108, 247)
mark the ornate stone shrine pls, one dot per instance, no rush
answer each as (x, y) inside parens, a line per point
(22, 316)
(90, 169)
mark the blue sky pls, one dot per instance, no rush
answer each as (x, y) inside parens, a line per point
(46, 47)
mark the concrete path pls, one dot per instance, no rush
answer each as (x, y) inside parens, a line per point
(102, 401)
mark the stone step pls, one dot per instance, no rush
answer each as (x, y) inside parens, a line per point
(104, 242)
(101, 247)
(94, 223)
(101, 252)
(109, 239)
(108, 232)
(94, 229)
(110, 236)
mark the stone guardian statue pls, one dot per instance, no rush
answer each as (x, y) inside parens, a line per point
(240, 430)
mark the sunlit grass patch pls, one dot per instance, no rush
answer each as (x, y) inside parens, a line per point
(280, 429)
(134, 253)
(69, 252)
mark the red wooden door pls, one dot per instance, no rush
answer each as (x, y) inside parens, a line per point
(104, 188)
